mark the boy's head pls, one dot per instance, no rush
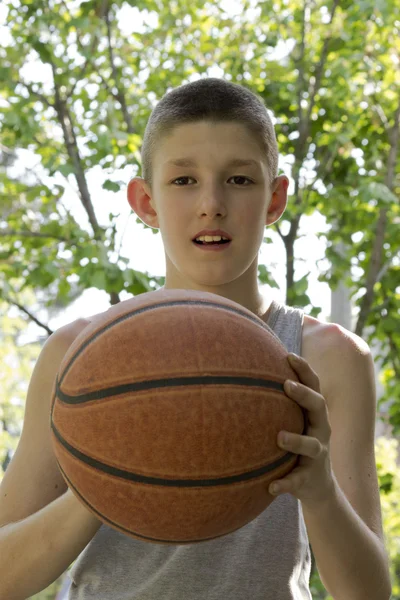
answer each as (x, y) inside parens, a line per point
(212, 122)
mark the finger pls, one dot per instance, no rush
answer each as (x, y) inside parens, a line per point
(309, 399)
(306, 374)
(300, 444)
(289, 483)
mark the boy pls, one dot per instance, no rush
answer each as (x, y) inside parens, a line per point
(331, 499)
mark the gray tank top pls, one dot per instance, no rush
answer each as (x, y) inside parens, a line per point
(267, 559)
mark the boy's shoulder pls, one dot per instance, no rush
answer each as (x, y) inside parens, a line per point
(324, 345)
(320, 335)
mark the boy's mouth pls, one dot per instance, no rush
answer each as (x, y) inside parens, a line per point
(216, 246)
(211, 243)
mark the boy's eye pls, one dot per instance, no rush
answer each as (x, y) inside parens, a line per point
(234, 177)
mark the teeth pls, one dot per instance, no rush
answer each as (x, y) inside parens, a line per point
(210, 238)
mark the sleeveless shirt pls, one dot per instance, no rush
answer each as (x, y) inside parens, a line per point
(267, 559)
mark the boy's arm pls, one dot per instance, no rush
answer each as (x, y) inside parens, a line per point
(346, 533)
(351, 560)
(36, 550)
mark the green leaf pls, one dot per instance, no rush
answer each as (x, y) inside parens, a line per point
(113, 186)
(378, 191)
(98, 280)
(66, 169)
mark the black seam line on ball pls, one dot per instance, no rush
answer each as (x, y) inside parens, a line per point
(105, 519)
(137, 311)
(164, 383)
(129, 476)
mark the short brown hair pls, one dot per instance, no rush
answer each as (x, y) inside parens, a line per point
(215, 100)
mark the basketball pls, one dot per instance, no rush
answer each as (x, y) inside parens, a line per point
(165, 414)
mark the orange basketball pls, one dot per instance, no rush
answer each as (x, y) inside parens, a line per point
(165, 416)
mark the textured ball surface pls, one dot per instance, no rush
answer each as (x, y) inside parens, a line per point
(165, 416)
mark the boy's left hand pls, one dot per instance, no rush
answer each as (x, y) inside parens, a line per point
(312, 480)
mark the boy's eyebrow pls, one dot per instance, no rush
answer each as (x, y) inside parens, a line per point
(235, 162)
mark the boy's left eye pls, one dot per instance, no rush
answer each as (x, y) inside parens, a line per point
(234, 177)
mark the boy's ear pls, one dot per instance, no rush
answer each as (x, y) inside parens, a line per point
(278, 202)
(139, 198)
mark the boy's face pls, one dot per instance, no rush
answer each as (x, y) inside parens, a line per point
(210, 195)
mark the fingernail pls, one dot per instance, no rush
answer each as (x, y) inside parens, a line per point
(283, 438)
(291, 385)
(293, 358)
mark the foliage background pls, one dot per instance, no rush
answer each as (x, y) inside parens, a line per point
(335, 96)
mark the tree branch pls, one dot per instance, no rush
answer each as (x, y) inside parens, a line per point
(40, 96)
(4, 232)
(277, 228)
(29, 314)
(100, 14)
(377, 249)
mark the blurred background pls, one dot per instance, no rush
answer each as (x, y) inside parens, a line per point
(78, 83)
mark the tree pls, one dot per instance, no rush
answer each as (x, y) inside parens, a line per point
(335, 96)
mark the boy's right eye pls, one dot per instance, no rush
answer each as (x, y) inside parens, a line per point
(179, 179)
